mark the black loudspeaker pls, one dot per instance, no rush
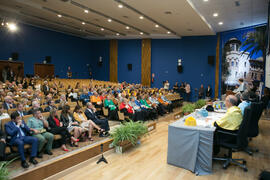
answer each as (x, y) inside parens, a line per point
(129, 67)
(99, 63)
(180, 69)
(211, 60)
(15, 56)
(48, 59)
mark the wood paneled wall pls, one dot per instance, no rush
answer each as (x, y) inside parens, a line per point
(44, 70)
(114, 60)
(217, 67)
(146, 62)
(17, 67)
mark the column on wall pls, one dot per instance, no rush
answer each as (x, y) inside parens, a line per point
(146, 62)
(113, 60)
(217, 67)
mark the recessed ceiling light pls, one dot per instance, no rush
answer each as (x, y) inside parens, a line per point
(215, 14)
(141, 17)
(156, 25)
(220, 23)
(117, 34)
(168, 32)
(141, 33)
(102, 29)
(12, 27)
(127, 27)
(86, 11)
(205, 0)
(109, 20)
(83, 23)
(120, 6)
(2, 24)
(59, 15)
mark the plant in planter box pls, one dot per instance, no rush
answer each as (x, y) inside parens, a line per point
(200, 103)
(128, 132)
(4, 171)
(188, 108)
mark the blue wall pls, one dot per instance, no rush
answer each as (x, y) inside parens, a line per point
(193, 51)
(129, 52)
(33, 44)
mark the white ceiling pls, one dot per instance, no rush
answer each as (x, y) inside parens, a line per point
(183, 17)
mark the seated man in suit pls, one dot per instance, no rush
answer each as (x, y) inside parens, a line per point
(90, 113)
(2, 146)
(51, 105)
(8, 103)
(20, 135)
(229, 122)
(20, 110)
(46, 88)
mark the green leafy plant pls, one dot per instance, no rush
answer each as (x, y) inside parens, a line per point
(129, 131)
(255, 41)
(200, 103)
(188, 108)
(4, 171)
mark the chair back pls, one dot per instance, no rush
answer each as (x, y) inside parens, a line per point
(242, 140)
(256, 112)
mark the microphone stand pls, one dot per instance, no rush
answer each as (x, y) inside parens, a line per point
(102, 157)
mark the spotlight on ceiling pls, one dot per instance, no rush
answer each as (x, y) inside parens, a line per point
(168, 32)
(156, 25)
(102, 29)
(141, 33)
(117, 34)
(205, 0)
(12, 27)
(141, 17)
(83, 23)
(86, 11)
(109, 20)
(127, 27)
(220, 23)
(59, 15)
(215, 14)
(120, 6)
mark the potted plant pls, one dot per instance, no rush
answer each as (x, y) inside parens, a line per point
(4, 172)
(127, 134)
(200, 103)
(188, 108)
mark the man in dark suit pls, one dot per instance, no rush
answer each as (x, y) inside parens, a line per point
(103, 123)
(2, 146)
(51, 105)
(20, 110)
(8, 103)
(46, 88)
(19, 132)
(208, 92)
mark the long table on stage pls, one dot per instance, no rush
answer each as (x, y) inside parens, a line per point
(191, 147)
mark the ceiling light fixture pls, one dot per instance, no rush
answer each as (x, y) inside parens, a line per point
(205, 0)
(156, 25)
(168, 32)
(127, 27)
(220, 23)
(141, 17)
(86, 11)
(215, 14)
(102, 29)
(120, 6)
(83, 23)
(12, 27)
(59, 15)
(141, 33)
(117, 34)
(109, 20)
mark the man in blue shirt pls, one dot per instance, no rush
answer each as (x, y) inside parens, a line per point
(244, 101)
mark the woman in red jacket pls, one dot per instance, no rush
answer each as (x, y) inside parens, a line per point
(127, 109)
